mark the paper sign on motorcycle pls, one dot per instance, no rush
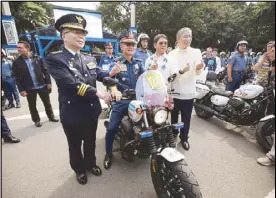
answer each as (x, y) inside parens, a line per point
(151, 88)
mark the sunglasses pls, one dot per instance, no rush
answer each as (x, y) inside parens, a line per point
(163, 43)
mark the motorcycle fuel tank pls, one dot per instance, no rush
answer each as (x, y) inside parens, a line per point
(219, 100)
(132, 110)
(249, 91)
(201, 90)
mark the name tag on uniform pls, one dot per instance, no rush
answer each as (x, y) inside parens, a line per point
(123, 68)
(91, 65)
(105, 67)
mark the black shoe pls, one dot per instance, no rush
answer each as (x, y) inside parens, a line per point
(107, 160)
(38, 124)
(10, 106)
(81, 178)
(11, 139)
(185, 145)
(53, 119)
(96, 170)
(18, 106)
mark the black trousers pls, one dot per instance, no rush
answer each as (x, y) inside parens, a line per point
(76, 134)
(185, 107)
(44, 95)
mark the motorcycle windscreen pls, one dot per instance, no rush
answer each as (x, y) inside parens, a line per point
(151, 88)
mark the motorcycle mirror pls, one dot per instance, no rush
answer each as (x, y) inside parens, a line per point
(109, 82)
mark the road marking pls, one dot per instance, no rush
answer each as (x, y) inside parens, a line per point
(43, 114)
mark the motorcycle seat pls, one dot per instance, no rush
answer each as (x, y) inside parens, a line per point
(222, 92)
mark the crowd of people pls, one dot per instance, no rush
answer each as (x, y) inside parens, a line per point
(76, 75)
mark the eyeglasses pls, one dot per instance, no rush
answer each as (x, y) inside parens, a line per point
(186, 36)
(163, 43)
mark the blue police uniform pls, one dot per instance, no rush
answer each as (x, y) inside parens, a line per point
(8, 81)
(238, 62)
(129, 79)
(106, 62)
(142, 55)
(210, 63)
(224, 61)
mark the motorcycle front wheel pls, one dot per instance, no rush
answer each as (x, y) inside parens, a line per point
(264, 134)
(173, 180)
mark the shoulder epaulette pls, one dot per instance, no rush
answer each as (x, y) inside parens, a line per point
(56, 52)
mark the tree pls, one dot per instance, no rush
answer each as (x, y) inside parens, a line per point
(31, 15)
(215, 24)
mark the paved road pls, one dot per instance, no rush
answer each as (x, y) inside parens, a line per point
(223, 160)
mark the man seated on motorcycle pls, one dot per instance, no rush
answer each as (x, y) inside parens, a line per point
(264, 65)
(130, 69)
(237, 67)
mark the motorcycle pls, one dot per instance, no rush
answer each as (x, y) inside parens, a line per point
(246, 106)
(145, 132)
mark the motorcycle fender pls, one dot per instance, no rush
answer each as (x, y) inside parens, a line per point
(172, 155)
(269, 117)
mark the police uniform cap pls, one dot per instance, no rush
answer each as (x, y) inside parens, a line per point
(108, 45)
(72, 21)
(127, 38)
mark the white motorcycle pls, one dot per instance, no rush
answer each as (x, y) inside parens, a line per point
(246, 106)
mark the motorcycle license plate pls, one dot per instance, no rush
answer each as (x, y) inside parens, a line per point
(145, 134)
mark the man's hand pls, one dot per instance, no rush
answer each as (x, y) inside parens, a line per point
(105, 96)
(200, 65)
(115, 94)
(115, 70)
(185, 68)
(154, 65)
(49, 86)
(230, 80)
(23, 93)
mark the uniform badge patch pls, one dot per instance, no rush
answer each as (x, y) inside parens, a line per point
(136, 66)
(91, 65)
(123, 68)
(70, 64)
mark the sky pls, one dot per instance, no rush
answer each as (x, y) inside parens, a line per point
(83, 5)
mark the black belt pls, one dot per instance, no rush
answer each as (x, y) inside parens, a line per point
(238, 72)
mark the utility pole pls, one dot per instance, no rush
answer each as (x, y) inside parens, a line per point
(132, 27)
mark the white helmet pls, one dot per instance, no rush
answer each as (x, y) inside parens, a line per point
(3, 51)
(241, 42)
(252, 53)
(222, 53)
(203, 53)
(143, 36)
(259, 53)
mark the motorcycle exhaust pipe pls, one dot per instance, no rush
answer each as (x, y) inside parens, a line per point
(209, 110)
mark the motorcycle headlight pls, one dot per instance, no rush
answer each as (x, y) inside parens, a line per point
(160, 116)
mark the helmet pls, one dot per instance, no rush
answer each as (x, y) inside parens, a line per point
(203, 53)
(222, 53)
(252, 53)
(241, 42)
(259, 53)
(143, 36)
(3, 52)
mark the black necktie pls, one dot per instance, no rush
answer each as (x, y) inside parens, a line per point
(79, 63)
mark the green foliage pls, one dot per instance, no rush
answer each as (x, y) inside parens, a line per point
(31, 15)
(215, 24)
